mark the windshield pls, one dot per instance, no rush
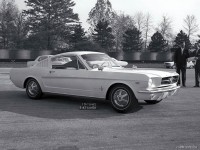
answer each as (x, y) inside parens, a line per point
(100, 60)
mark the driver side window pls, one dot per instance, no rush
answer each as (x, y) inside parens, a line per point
(66, 62)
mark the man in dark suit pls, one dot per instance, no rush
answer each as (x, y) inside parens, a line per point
(180, 61)
(197, 65)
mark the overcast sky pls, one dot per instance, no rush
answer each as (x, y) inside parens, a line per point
(177, 10)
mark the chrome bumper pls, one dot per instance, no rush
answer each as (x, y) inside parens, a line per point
(159, 93)
(160, 90)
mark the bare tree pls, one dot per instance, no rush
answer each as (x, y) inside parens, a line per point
(121, 23)
(21, 30)
(148, 25)
(165, 28)
(190, 25)
(8, 14)
(101, 12)
(139, 20)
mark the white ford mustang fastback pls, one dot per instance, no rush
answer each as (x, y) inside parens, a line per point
(94, 74)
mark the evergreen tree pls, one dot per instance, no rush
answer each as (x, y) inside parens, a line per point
(78, 37)
(180, 38)
(158, 43)
(102, 35)
(194, 47)
(132, 40)
(78, 34)
(50, 21)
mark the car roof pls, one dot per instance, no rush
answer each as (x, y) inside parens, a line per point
(79, 53)
(44, 56)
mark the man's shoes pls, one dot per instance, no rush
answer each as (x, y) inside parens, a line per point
(196, 86)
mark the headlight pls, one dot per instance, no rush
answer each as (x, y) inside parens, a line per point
(150, 82)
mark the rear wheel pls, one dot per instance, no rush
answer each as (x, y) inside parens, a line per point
(152, 101)
(122, 98)
(33, 89)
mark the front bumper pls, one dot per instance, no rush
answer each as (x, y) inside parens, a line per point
(159, 93)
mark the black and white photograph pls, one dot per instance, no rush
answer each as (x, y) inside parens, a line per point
(99, 75)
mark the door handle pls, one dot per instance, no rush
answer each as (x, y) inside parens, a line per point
(51, 71)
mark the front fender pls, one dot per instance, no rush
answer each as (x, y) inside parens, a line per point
(135, 86)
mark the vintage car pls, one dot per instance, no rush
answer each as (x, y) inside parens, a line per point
(38, 59)
(190, 65)
(94, 74)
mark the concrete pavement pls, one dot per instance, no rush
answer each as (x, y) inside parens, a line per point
(56, 122)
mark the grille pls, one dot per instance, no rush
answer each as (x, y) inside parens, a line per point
(169, 80)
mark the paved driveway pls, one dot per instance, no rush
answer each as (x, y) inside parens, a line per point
(57, 123)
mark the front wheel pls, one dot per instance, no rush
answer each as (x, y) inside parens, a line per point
(152, 101)
(122, 99)
(33, 89)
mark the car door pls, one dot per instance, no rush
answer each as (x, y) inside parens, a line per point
(69, 76)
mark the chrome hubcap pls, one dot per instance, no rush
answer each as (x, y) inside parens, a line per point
(121, 98)
(33, 88)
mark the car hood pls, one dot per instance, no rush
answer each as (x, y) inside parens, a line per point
(149, 73)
